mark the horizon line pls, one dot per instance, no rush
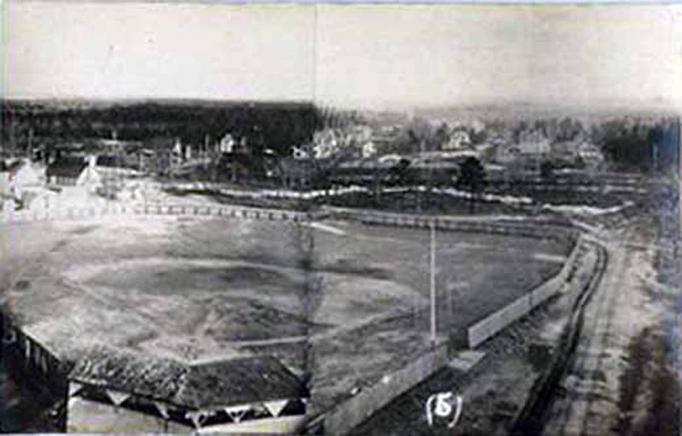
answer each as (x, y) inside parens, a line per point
(603, 105)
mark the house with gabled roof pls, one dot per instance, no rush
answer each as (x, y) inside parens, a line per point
(458, 139)
(66, 171)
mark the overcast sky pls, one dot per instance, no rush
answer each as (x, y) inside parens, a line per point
(351, 55)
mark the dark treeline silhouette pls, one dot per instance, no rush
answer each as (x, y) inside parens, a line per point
(627, 141)
(277, 126)
(640, 145)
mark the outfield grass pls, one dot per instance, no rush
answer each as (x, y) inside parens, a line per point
(206, 288)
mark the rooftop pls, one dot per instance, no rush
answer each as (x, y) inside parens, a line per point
(196, 386)
(69, 166)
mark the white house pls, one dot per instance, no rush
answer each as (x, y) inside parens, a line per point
(25, 176)
(325, 144)
(76, 178)
(590, 154)
(227, 144)
(90, 177)
(177, 147)
(458, 139)
(177, 154)
(369, 149)
(18, 178)
(537, 148)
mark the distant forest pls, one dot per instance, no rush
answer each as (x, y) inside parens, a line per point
(638, 145)
(277, 126)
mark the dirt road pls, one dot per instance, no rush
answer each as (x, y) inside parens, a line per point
(622, 379)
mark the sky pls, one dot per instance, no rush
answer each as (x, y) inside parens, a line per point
(355, 56)
(130, 50)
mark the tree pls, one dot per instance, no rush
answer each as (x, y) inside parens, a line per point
(629, 150)
(472, 178)
(440, 137)
(546, 171)
(400, 174)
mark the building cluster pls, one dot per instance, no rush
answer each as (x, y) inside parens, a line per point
(76, 170)
(532, 148)
(102, 166)
(354, 140)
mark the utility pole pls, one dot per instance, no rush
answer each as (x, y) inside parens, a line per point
(433, 283)
(420, 172)
(29, 149)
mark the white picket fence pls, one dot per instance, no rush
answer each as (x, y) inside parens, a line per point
(74, 213)
(512, 228)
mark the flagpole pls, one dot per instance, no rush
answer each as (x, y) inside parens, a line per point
(433, 283)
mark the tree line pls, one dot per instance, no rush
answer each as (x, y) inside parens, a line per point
(276, 126)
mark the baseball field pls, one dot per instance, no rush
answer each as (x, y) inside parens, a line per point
(354, 296)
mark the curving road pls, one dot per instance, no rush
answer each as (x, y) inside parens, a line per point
(621, 379)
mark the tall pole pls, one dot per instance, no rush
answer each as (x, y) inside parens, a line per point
(29, 150)
(433, 283)
(420, 172)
